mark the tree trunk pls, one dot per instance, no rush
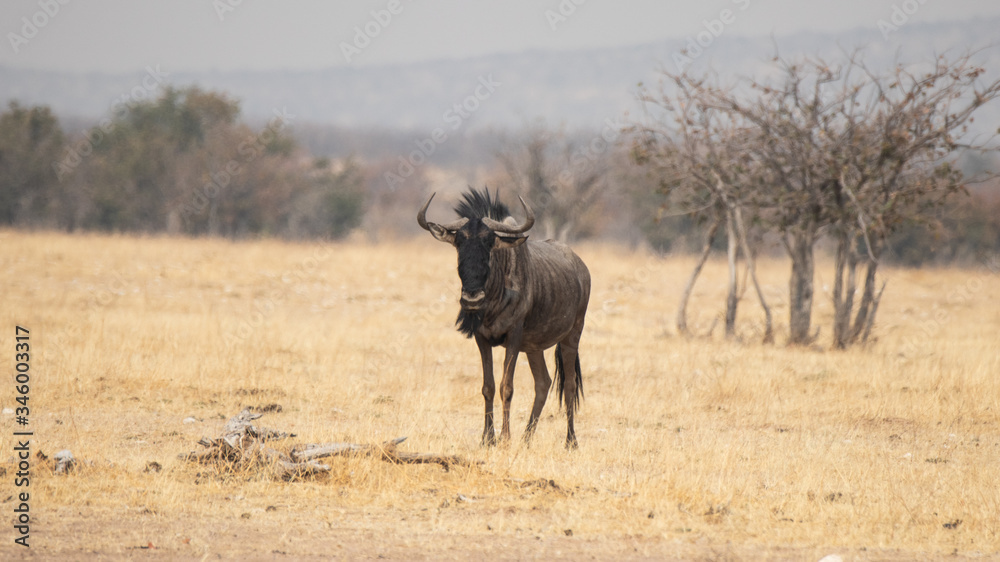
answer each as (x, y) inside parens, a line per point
(869, 302)
(843, 296)
(752, 269)
(733, 299)
(846, 332)
(871, 317)
(800, 287)
(682, 307)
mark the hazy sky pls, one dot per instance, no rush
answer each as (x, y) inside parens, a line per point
(182, 35)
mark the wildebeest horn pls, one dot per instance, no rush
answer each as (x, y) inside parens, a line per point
(529, 221)
(422, 218)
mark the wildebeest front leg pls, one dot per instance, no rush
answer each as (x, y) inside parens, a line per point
(513, 345)
(489, 389)
(536, 360)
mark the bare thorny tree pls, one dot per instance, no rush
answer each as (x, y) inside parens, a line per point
(824, 149)
(560, 175)
(700, 163)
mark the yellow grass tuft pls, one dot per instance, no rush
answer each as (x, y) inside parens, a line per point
(689, 448)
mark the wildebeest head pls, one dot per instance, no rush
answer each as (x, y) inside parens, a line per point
(484, 226)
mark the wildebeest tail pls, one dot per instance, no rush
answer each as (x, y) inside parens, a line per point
(561, 378)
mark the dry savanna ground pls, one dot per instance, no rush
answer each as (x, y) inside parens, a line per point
(689, 448)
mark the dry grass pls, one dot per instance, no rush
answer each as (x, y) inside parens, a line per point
(690, 448)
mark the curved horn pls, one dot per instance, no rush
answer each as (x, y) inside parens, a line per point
(422, 213)
(422, 218)
(529, 221)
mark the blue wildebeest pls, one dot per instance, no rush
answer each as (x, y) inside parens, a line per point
(525, 296)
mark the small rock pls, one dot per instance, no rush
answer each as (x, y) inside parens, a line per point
(190, 420)
(463, 499)
(831, 558)
(7, 411)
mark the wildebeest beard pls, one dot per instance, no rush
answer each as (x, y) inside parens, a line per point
(469, 321)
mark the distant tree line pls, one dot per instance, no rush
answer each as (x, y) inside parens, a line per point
(183, 163)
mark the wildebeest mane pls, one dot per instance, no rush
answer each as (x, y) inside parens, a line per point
(477, 205)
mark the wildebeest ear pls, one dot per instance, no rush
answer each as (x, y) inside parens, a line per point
(441, 233)
(502, 242)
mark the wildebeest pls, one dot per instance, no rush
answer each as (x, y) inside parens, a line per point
(524, 295)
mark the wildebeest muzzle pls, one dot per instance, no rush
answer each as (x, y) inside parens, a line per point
(472, 300)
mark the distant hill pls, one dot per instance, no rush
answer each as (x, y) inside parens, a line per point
(579, 88)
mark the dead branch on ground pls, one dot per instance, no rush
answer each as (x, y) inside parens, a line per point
(243, 444)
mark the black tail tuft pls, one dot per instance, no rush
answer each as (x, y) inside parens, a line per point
(561, 379)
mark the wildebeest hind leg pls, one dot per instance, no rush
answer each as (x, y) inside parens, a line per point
(569, 377)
